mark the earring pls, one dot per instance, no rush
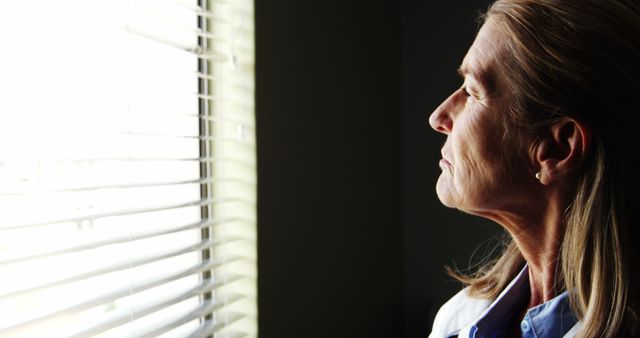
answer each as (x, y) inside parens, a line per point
(538, 176)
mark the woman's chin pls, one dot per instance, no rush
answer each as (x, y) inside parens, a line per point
(443, 190)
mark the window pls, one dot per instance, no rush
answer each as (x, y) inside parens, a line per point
(127, 169)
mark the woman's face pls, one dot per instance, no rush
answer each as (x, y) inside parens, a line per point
(474, 177)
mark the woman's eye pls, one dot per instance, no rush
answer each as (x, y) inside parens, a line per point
(466, 93)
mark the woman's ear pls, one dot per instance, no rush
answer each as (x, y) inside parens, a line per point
(562, 149)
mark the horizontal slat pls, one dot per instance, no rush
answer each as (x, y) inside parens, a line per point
(112, 322)
(215, 120)
(102, 187)
(129, 159)
(222, 98)
(205, 308)
(201, 202)
(208, 13)
(226, 38)
(218, 18)
(233, 334)
(121, 239)
(242, 12)
(205, 244)
(202, 138)
(94, 216)
(107, 135)
(210, 326)
(246, 85)
(126, 186)
(152, 115)
(207, 54)
(128, 291)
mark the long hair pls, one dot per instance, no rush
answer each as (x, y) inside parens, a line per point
(581, 59)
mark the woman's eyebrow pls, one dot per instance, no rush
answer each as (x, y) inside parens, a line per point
(486, 78)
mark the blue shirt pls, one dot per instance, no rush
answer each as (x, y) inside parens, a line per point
(551, 319)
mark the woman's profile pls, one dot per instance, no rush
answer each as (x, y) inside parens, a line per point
(542, 138)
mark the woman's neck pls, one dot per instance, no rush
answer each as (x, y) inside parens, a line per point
(538, 234)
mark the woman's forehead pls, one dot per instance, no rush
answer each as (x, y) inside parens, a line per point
(483, 56)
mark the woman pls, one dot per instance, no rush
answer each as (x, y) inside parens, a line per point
(541, 138)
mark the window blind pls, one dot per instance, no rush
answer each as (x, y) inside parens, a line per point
(127, 169)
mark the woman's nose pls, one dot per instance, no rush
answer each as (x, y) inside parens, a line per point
(440, 120)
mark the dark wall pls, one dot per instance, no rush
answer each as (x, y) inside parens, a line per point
(328, 119)
(352, 239)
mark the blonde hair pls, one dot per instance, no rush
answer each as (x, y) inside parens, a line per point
(581, 59)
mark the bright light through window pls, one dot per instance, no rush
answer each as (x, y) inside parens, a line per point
(127, 169)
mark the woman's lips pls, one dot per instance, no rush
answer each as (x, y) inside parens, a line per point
(444, 164)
